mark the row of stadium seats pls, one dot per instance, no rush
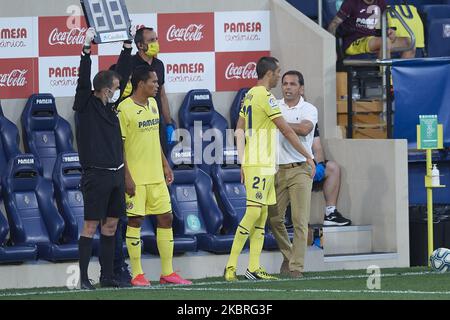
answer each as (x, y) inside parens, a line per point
(435, 16)
(207, 204)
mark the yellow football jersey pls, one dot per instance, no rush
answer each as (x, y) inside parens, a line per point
(140, 133)
(412, 18)
(259, 109)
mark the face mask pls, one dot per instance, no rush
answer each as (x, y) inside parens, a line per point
(153, 49)
(115, 97)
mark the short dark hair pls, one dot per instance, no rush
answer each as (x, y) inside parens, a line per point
(139, 37)
(141, 73)
(104, 79)
(264, 65)
(294, 73)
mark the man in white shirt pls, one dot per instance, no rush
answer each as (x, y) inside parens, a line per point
(293, 180)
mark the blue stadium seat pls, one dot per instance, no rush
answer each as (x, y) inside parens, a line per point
(309, 8)
(197, 115)
(69, 198)
(45, 133)
(13, 253)
(9, 141)
(329, 10)
(33, 217)
(194, 206)
(438, 36)
(236, 106)
(435, 11)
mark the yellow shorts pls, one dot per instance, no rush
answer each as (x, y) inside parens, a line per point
(260, 186)
(359, 46)
(149, 199)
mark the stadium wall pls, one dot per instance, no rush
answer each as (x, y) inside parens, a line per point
(374, 188)
(297, 41)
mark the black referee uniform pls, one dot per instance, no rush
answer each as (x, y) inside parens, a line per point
(100, 149)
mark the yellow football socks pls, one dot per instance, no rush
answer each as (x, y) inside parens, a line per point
(257, 240)
(133, 241)
(164, 241)
(252, 214)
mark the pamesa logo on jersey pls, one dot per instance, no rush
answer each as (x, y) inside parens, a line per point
(148, 123)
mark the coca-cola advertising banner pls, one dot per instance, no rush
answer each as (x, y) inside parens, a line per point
(186, 32)
(60, 36)
(235, 71)
(18, 78)
(211, 50)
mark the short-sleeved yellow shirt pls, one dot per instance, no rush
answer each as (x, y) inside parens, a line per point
(140, 133)
(259, 109)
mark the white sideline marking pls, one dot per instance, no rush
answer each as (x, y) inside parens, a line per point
(190, 287)
(312, 290)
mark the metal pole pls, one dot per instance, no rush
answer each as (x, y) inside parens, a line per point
(384, 34)
(349, 103)
(429, 208)
(384, 79)
(388, 102)
(319, 13)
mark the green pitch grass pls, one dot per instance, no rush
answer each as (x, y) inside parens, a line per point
(410, 283)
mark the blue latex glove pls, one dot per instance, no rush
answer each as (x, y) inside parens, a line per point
(320, 172)
(170, 129)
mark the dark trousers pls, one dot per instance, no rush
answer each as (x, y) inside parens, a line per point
(119, 257)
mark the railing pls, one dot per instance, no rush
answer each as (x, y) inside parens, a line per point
(386, 70)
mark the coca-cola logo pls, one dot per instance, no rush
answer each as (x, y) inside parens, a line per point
(241, 72)
(193, 32)
(74, 36)
(16, 78)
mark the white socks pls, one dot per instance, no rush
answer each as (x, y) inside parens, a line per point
(329, 210)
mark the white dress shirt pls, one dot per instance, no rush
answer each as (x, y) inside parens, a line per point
(296, 114)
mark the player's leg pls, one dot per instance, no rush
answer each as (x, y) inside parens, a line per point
(158, 203)
(95, 196)
(134, 246)
(164, 241)
(135, 208)
(106, 256)
(115, 210)
(331, 187)
(251, 215)
(121, 272)
(85, 251)
(403, 42)
(375, 45)
(266, 188)
(332, 183)
(257, 240)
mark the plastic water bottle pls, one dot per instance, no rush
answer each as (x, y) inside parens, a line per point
(435, 176)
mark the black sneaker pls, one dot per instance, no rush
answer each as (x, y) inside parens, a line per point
(86, 284)
(336, 219)
(109, 282)
(123, 278)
